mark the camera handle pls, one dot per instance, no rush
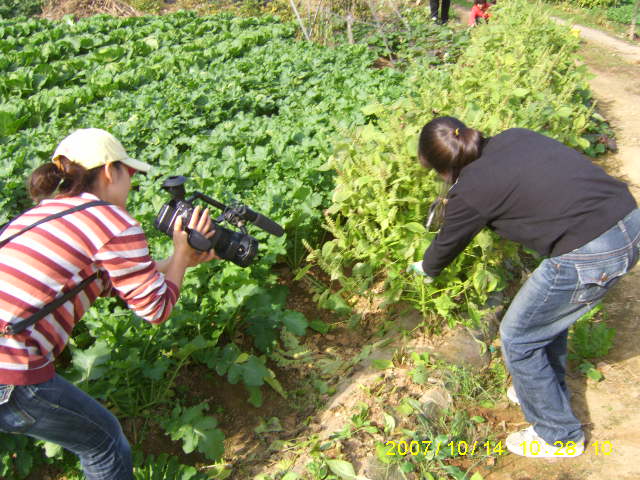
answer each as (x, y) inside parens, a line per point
(198, 241)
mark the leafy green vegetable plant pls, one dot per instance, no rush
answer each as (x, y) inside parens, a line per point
(196, 430)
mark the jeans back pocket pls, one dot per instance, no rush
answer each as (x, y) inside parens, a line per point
(596, 278)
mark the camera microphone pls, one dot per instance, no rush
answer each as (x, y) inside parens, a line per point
(238, 247)
(261, 221)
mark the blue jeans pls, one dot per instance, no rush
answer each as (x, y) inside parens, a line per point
(61, 413)
(534, 329)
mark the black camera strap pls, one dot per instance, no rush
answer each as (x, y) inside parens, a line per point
(15, 328)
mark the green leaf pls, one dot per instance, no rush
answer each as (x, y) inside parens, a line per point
(52, 450)
(564, 112)
(381, 363)
(342, 469)
(254, 372)
(389, 424)
(455, 472)
(211, 443)
(583, 143)
(273, 382)
(381, 453)
(444, 305)
(319, 326)
(594, 374)
(255, 396)
(92, 362)
(271, 425)
(407, 467)
(372, 109)
(295, 322)
(415, 227)
(341, 194)
(405, 408)
(198, 343)
(243, 357)
(152, 42)
(412, 146)
(196, 430)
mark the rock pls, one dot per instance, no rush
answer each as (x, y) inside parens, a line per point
(462, 349)
(374, 469)
(435, 400)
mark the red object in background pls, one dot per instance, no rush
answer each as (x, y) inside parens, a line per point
(479, 11)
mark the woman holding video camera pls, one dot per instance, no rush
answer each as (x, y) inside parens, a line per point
(538, 192)
(81, 238)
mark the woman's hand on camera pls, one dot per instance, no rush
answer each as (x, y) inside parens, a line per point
(201, 222)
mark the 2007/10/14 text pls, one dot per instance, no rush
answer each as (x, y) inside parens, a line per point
(428, 447)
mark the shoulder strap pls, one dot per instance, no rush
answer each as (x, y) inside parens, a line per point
(15, 328)
(82, 206)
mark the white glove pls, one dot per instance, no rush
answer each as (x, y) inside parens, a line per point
(416, 268)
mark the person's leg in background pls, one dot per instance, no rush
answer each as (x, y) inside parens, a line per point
(433, 4)
(59, 412)
(444, 11)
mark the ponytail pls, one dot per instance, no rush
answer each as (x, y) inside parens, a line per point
(67, 179)
(448, 145)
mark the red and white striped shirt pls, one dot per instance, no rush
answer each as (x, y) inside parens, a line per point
(53, 257)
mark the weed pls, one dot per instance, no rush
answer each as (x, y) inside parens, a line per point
(590, 338)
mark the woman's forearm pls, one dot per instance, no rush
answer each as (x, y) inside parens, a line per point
(174, 269)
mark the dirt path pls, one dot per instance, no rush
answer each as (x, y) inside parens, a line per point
(610, 409)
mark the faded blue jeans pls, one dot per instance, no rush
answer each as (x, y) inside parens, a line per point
(61, 413)
(534, 329)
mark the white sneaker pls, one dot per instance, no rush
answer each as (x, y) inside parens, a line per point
(527, 443)
(512, 395)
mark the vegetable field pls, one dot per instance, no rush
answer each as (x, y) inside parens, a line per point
(320, 139)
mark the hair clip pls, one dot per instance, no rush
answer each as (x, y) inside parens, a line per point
(456, 132)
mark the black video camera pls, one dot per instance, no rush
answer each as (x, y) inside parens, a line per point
(238, 247)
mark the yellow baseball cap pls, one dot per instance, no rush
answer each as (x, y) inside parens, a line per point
(94, 147)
